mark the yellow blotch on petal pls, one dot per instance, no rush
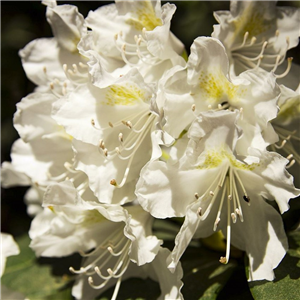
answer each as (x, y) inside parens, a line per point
(127, 95)
(92, 217)
(252, 20)
(216, 88)
(216, 157)
(144, 17)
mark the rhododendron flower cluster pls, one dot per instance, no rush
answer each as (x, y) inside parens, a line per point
(123, 129)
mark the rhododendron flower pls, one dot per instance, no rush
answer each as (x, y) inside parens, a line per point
(215, 188)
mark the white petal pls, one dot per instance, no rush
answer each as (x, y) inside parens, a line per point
(33, 116)
(170, 283)
(262, 236)
(66, 24)
(8, 248)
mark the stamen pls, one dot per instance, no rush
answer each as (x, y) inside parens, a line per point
(101, 144)
(223, 260)
(113, 182)
(290, 59)
(281, 145)
(233, 217)
(253, 40)
(197, 196)
(116, 290)
(238, 212)
(226, 259)
(246, 198)
(290, 164)
(276, 63)
(217, 221)
(245, 39)
(199, 211)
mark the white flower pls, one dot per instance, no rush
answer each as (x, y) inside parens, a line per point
(257, 33)
(46, 60)
(206, 84)
(8, 248)
(112, 130)
(130, 34)
(110, 237)
(214, 188)
(286, 125)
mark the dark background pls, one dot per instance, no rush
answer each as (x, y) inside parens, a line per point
(24, 21)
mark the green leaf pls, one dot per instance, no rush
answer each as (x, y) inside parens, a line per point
(31, 277)
(204, 275)
(287, 276)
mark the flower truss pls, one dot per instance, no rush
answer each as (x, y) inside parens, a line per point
(121, 130)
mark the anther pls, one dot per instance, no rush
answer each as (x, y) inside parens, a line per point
(105, 151)
(71, 269)
(238, 212)
(118, 150)
(65, 67)
(196, 196)
(82, 65)
(45, 70)
(51, 85)
(101, 144)
(290, 164)
(121, 137)
(129, 124)
(281, 145)
(75, 69)
(212, 193)
(245, 38)
(229, 197)
(193, 107)
(246, 198)
(223, 260)
(110, 124)
(233, 217)
(110, 272)
(216, 223)
(110, 248)
(253, 40)
(116, 36)
(93, 122)
(112, 182)
(289, 156)
(277, 33)
(199, 211)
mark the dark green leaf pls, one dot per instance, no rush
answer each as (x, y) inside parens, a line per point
(287, 276)
(25, 274)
